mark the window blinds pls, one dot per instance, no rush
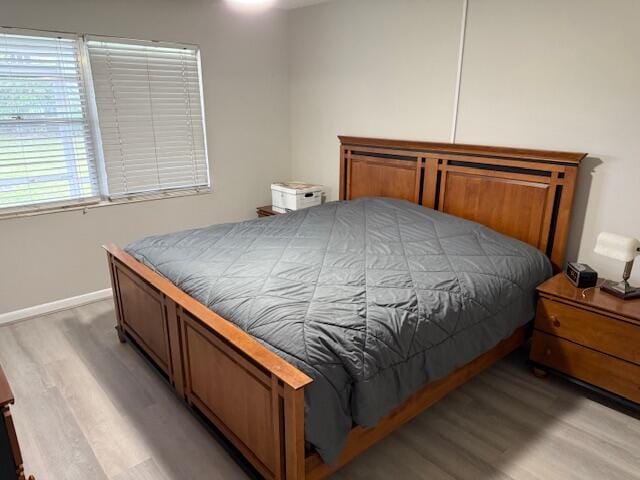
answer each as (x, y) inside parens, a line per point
(149, 105)
(46, 152)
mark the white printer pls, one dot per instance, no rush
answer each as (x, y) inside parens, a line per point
(289, 196)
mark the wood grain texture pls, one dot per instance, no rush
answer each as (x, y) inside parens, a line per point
(618, 338)
(224, 391)
(592, 366)
(294, 434)
(11, 462)
(514, 208)
(239, 385)
(6, 395)
(95, 410)
(225, 329)
(386, 178)
(589, 335)
(174, 340)
(526, 194)
(502, 424)
(266, 211)
(143, 314)
(560, 288)
(551, 156)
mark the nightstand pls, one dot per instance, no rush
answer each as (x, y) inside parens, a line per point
(266, 211)
(589, 335)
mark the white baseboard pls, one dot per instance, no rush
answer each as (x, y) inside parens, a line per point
(52, 307)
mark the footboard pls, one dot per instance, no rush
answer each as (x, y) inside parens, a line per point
(254, 397)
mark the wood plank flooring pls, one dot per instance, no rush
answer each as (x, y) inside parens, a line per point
(89, 408)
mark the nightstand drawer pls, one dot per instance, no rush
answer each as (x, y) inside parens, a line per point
(606, 334)
(593, 367)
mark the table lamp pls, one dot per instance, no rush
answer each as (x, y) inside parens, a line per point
(624, 249)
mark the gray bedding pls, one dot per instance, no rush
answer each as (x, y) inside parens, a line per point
(372, 298)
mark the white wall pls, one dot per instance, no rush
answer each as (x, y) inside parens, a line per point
(244, 58)
(370, 68)
(551, 74)
(563, 75)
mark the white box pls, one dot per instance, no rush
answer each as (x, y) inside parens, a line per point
(294, 196)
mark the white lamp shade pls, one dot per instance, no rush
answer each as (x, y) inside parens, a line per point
(617, 247)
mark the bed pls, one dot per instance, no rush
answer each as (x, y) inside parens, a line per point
(356, 315)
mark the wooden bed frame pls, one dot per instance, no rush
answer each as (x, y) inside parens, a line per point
(254, 397)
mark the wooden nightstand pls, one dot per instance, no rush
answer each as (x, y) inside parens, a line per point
(589, 335)
(266, 211)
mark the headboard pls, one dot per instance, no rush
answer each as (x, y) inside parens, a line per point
(526, 194)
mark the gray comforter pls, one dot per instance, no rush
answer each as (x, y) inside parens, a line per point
(372, 298)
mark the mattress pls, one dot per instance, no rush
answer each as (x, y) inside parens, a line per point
(372, 298)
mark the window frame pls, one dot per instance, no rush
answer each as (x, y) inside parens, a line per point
(103, 199)
(43, 207)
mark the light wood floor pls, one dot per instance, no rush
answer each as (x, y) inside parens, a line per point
(89, 408)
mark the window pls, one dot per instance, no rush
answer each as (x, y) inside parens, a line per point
(46, 153)
(150, 112)
(90, 119)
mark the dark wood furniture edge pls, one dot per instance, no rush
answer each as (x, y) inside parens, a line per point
(589, 308)
(266, 211)
(595, 301)
(541, 368)
(6, 395)
(550, 156)
(7, 399)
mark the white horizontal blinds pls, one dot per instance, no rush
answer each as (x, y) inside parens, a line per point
(46, 152)
(150, 114)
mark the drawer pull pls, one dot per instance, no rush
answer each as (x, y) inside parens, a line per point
(556, 322)
(547, 352)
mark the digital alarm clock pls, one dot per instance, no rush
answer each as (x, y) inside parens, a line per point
(581, 275)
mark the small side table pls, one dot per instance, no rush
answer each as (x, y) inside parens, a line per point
(589, 335)
(266, 211)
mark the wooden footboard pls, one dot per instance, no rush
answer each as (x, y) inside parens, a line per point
(254, 397)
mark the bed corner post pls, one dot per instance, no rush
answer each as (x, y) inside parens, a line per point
(294, 433)
(116, 295)
(343, 166)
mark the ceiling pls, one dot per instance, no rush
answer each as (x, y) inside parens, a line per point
(289, 4)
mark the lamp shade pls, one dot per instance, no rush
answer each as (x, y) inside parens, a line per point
(617, 247)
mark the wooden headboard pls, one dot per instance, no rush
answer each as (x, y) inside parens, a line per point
(526, 194)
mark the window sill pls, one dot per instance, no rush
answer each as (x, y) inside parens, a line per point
(86, 206)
